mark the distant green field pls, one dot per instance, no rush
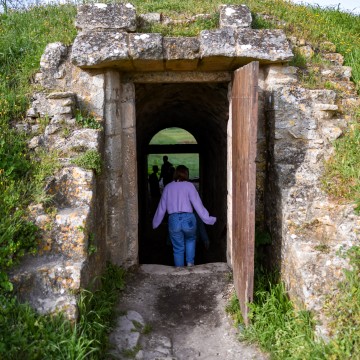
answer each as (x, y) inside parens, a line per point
(189, 160)
(172, 136)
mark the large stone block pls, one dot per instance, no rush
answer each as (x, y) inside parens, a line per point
(181, 53)
(236, 16)
(146, 51)
(217, 43)
(146, 46)
(99, 47)
(72, 187)
(49, 284)
(89, 88)
(263, 44)
(114, 190)
(54, 66)
(79, 141)
(181, 48)
(106, 16)
(70, 234)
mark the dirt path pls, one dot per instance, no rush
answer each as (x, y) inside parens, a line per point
(178, 313)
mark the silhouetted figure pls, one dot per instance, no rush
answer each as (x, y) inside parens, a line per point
(167, 171)
(154, 183)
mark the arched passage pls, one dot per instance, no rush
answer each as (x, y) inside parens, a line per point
(201, 109)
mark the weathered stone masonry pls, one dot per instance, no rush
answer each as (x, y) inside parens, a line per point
(100, 73)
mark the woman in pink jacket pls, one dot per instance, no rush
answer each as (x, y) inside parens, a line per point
(180, 198)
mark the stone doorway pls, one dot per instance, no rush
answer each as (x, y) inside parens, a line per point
(203, 110)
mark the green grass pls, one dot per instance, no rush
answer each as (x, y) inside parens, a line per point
(90, 160)
(23, 37)
(341, 178)
(286, 332)
(344, 310)
(24, 334)
(173, 136)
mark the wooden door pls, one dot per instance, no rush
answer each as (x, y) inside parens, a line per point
(244, 134)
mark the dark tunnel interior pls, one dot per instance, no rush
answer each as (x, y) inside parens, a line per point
(203, 110)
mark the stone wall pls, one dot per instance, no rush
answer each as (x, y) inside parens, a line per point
(71, 250)
(308, 229)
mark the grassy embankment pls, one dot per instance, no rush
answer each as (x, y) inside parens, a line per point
(23, 333)
(22, 41)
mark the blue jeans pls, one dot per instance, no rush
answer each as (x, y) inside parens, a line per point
(182, 232)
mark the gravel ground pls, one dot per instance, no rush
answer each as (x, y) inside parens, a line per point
(178, 313)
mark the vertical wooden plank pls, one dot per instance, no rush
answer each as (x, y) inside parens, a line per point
(244, 133)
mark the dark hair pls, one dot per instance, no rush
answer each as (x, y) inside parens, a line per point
(155, 168)
(181, 173)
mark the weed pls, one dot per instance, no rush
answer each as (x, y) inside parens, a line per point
(49, 226)
(258, 22)
(79, 148)
(45, 165)
(329, 85)
(287, 333)
(344, 310)
(147, 329)
(137, 325)
(131, 353)
(43, 123)
(86, 121)
(143, 329)
(66, 131)
(233, 308)
(51, 211)
(91, 160)
(298, 60)
(324, 248)
(92, 248)
(311, 79)
(341, 176)
(229, 276)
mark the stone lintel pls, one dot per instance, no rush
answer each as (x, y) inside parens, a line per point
(182, 65)
(146, 46)
(263, 44)
(220, 42)
(181, 48)
(91, 49)
(214, 50)
(177, 77)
